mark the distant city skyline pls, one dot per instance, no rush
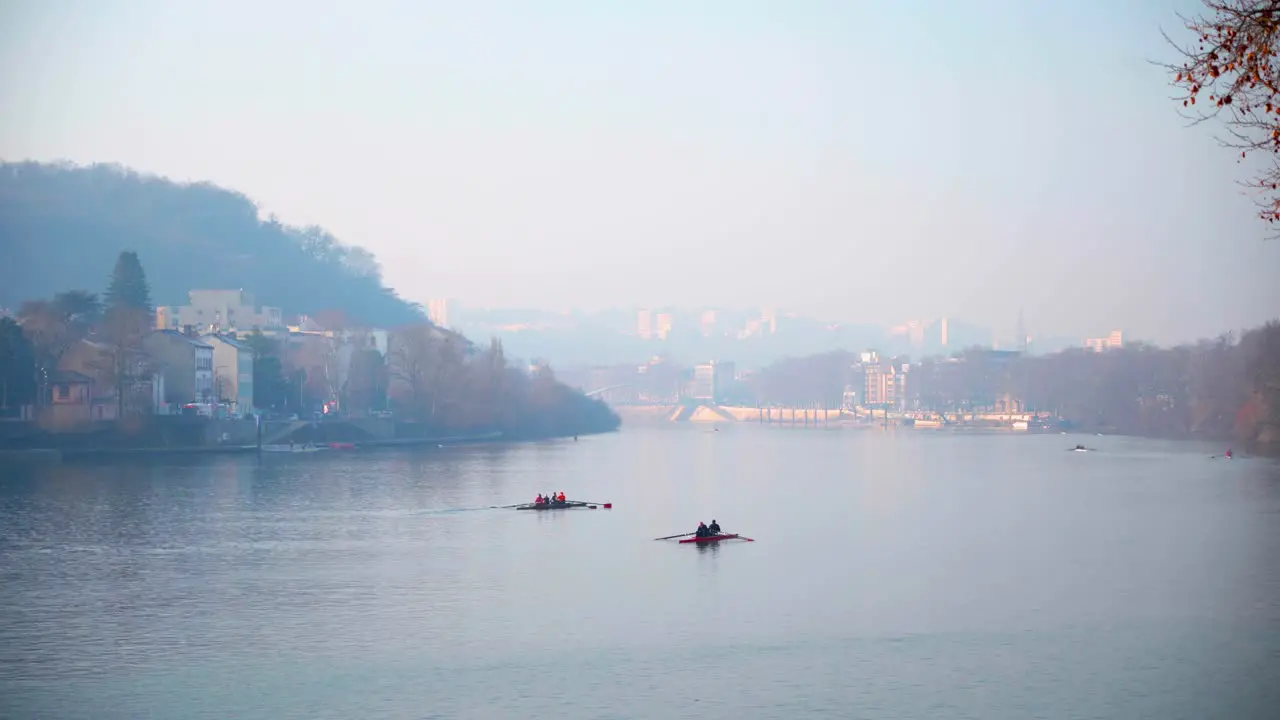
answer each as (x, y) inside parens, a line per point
(749, 337)
(657, 320)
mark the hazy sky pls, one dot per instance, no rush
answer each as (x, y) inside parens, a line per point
(862, 161)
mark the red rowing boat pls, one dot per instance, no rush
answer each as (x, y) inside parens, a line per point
(709, 539)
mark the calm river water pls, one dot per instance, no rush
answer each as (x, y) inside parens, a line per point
(895, 575)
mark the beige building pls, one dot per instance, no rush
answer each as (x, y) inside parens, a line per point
(232, 372)
(438, 313)
(665, 323)
(644, 324)
(219, 311)
(885, 383)
(144, 392)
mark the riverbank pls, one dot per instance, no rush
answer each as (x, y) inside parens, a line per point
(55, 456)
(82, 453)
(179, 435)
(977, 424)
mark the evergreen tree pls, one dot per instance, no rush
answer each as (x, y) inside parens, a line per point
(127, 321)
(128, 287)
(17, 367)
(271, 391)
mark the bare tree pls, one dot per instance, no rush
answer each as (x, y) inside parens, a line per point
(425, 370)
(1230, 72)
(124, 362)
(53, 326)
(316, 356)
(408, 361)
(366, 386)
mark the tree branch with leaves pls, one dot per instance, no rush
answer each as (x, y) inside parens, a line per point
(1231, 73)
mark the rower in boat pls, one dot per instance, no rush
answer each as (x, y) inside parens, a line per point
(539, 500)
(702, 530)
(713, 528)
(560, 497)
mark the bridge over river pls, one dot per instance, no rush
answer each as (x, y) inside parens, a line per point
(708, 411)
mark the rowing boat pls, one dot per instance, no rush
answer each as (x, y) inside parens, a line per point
(709, 538)
(568, 505)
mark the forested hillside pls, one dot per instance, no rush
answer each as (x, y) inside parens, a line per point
(61, 224)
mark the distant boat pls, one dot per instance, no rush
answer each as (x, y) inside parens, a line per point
(292, 449)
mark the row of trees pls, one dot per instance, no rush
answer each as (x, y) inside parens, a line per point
(434, 378)
(33, 344)
(1220, 388)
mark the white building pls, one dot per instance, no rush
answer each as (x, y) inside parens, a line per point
(711, 381)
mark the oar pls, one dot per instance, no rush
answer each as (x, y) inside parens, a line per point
(672, 537)
(591, 504)
(744, 537)
(506, 507)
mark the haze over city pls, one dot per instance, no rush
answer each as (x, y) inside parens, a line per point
(732, 359)
(1021, 156)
